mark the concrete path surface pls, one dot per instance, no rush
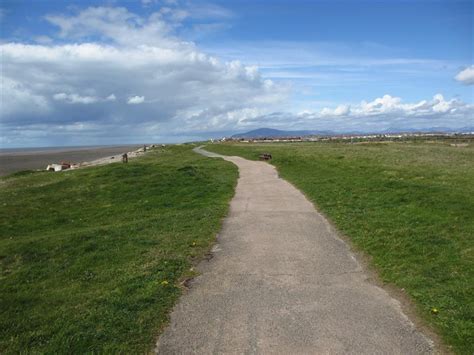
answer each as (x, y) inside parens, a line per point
(282, 282)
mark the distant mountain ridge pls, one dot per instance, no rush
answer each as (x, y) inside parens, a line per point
(275, 133)
(270, 132)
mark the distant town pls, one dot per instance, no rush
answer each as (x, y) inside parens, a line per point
(279, 136)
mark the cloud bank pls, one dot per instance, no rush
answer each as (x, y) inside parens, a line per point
(122, 75)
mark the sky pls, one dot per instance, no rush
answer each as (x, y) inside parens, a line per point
(114, 72)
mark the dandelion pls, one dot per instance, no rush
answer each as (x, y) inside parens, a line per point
(434, 311)
(164, 282)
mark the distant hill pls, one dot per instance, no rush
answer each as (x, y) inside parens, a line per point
(275, 133)
(272, 133)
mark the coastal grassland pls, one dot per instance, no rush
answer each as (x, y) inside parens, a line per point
(409, 206)
(92, 259)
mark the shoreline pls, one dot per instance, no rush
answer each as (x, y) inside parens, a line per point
(15, 161)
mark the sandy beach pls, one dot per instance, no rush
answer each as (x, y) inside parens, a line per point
(16, 160)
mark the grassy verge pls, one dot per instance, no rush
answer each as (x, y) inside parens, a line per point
(91, 260)
(409, 206)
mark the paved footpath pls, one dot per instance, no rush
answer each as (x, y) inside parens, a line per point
(282, 282)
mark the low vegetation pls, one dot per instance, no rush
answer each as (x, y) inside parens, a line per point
(410, 206)
(91, 260)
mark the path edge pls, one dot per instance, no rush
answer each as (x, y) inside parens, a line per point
(407, 305)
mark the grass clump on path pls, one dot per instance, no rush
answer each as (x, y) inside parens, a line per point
(409, 206)
(91, 259)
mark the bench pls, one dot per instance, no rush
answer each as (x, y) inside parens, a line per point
(265, 156)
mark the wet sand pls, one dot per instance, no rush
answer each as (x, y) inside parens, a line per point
(17, 160)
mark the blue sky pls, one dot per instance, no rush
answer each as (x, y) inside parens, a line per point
(88, 72)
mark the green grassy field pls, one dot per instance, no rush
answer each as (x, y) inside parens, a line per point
(91, 260)
(409, 206)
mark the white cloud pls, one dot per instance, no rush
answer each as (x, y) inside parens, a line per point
(78, 99)
(380, 105)
(75, 99)
(388, 105)
(466, 76)
(135, 100)
(117, 24)
(340, 110)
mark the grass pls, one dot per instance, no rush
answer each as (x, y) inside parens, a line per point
(91, 260)
(409, 206)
